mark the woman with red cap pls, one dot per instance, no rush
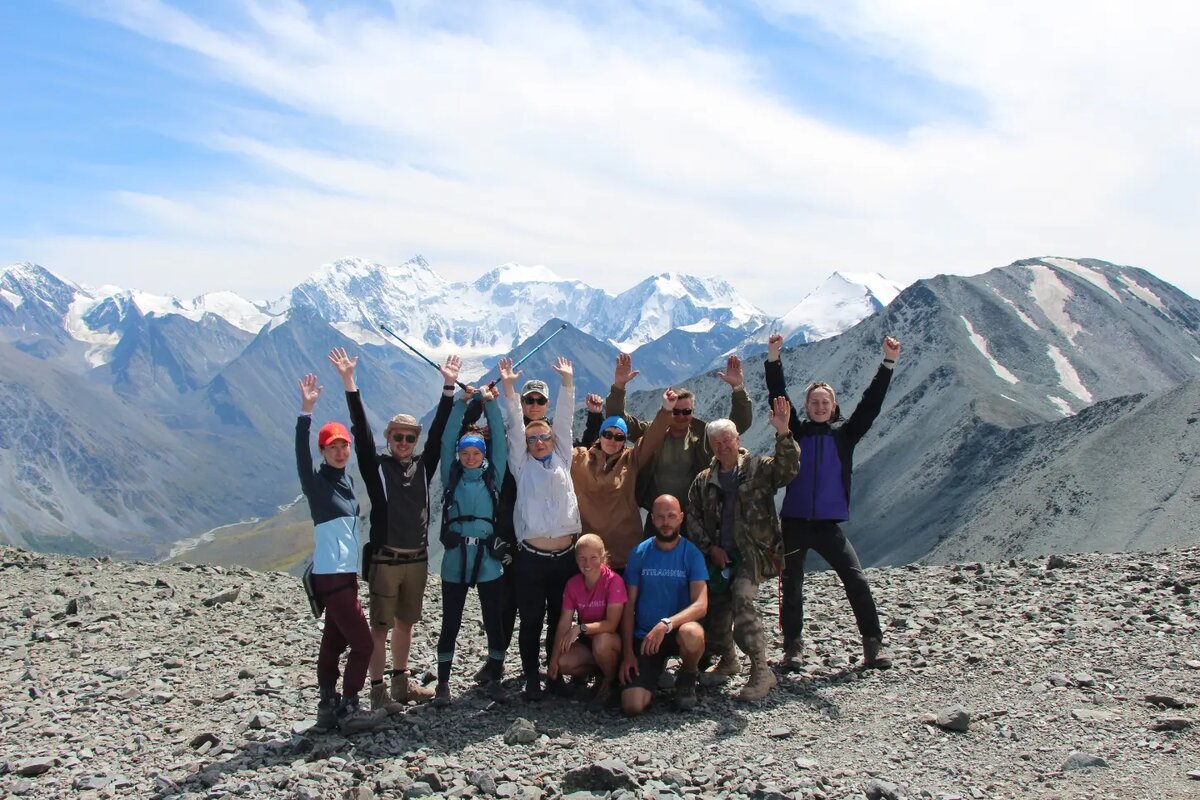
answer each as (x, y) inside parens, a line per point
(335, 563)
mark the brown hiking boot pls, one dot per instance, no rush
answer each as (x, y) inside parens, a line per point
(793, 657)
(380, 700)
(874, 656)
(727, 667)
(762, 680)
(405, 688)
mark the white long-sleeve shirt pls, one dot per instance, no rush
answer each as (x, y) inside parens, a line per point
(546, 503)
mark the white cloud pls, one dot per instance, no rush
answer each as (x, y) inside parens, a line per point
(618, 146)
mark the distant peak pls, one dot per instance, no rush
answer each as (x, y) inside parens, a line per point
(512, 272)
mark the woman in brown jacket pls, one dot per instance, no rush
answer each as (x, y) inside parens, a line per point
(605, 479)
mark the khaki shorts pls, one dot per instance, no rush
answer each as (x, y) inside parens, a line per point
(397, 591)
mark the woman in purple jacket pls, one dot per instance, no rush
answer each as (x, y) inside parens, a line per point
(818, 498)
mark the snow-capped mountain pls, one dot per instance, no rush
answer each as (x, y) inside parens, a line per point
(487, 317)
(840, 303)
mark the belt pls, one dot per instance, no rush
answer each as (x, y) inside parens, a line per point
(391, 558)
(537, 551)
(473, 540)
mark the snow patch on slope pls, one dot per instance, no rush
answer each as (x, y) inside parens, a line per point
(233, 308)
(842, 301)
(1051, 295)
(982, 346)
(703, 326)
(1067, 376)
(1139, 291)
(1090, 275)
(13, 300)
(100, 343)
(1021, 315)
(1061, 405)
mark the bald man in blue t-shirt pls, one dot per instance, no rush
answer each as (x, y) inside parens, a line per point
(667, 581)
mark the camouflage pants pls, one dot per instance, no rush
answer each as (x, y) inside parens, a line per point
(733, 617)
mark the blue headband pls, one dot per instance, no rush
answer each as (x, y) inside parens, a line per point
(472, 440)
(615, 422)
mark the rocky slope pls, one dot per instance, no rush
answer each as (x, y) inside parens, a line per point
(135, 680)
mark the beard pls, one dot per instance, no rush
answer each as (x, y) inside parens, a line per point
(667, 537)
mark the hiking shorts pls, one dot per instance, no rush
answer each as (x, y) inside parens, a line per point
(650, 668)
(397, 592)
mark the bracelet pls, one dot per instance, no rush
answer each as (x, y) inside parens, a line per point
(448, 388)
(889, 361)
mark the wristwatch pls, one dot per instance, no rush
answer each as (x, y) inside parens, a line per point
(666, 621)
(583, 630)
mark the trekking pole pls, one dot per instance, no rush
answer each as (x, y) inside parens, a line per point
(417, 352)
(525, 357)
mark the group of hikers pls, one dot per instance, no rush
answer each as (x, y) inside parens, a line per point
(550, 530)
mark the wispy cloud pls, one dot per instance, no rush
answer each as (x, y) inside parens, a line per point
(616, 140)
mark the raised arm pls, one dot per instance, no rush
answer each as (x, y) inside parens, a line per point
(785, 464)
(310, 391)
(499, 442)
(453, 429)
(614, 404)
(514, 422)
(433, 440)
(776, 384)
(872, 400)
(564, 409)
(360, 429)
(647, 447)
(595, 416)
(741, 412)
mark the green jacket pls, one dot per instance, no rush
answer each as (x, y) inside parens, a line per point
(757, 533)
(741, 413)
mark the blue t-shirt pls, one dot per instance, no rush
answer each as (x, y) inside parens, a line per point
(663, 578)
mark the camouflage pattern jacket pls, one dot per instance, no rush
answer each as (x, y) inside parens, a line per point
(757, 534)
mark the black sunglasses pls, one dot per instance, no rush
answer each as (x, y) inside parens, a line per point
(681, 412)
(534, 401)
(616, 436)
(410, 438)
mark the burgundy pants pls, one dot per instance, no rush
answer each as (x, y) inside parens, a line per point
(345, 626)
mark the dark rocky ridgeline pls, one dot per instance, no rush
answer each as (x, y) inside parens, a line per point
(1064, 677)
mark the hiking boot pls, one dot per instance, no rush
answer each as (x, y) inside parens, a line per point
(353, 719)
(405, 688)
(327, 712)
(602, 697)
(441, 695)
(727, 667)
(533, 688)
(380, 701)
(874, 656)
(793, 657)
(484, 674)
(685, 690)
(494, 690)
(762, 680)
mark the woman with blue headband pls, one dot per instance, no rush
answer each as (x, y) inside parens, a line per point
(605, 479)
(475, 555)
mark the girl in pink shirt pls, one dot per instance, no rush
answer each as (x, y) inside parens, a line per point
(592, 644)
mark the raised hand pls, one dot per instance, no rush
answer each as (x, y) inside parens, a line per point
(781, 414)
(468, 394)
(565, 371)
(733, 373)
(774, 346)
(624, 372)
(487, 394)
(310, 391)
(595, 404)
(891, 347)
(450, 370)
(669, 399)
(344, 365)
(507, 373)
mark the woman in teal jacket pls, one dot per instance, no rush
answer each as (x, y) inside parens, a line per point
(475, 555)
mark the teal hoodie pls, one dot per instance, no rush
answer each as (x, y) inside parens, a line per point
(471, 496)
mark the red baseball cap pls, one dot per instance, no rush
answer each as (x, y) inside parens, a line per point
(332, 432)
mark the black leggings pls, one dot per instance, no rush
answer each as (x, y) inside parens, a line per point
(491, 601)
(799, 536)
(540, 584)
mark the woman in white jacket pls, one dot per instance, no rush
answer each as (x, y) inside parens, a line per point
(546, 516)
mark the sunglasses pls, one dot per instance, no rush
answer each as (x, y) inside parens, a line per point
(539, 437)
(681, 412)
(534, 401)
(616, 436)
(410, 438)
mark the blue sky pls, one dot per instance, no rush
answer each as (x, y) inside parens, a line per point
(239, 145)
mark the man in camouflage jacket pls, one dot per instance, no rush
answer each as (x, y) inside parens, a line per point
(731, 517)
